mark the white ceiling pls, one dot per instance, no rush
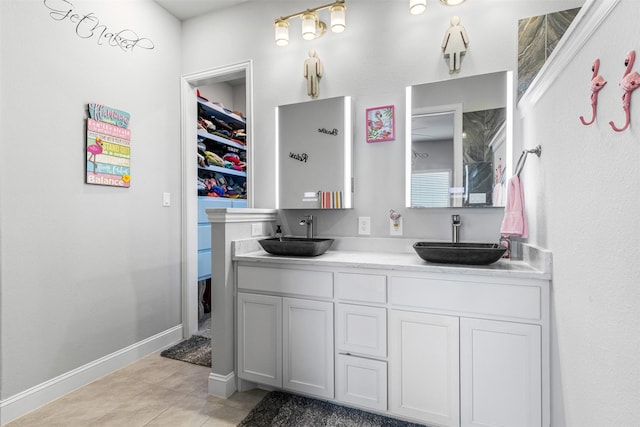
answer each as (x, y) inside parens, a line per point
(185, 9)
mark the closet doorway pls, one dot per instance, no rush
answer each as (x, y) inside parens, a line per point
(216, 112)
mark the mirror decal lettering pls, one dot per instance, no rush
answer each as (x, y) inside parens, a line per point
(303, 157)
(333, 131)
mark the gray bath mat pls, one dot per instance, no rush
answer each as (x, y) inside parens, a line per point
(278, 409)
(196, 350)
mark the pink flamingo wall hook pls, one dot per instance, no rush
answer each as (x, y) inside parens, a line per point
(630, 81)
(597, 83)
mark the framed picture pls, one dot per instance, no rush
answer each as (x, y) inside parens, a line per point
(381, 124)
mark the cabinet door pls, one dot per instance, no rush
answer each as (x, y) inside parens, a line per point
(361, 329)
(260, 338)
(308, 347)
(424, 367)
(361, 382)
(500, 373)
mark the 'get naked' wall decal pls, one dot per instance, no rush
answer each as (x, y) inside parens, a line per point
(88, 26)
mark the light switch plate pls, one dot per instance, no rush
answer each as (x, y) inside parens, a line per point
(256, 229)
(166, 199)
(364, 225)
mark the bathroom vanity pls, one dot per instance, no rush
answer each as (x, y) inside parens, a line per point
(393, 334)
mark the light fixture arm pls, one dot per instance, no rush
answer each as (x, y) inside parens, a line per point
(311, 10)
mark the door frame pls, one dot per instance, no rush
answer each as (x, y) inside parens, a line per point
(189, 166)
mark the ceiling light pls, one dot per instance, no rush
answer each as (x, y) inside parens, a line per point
(312, 26)
(416, 7)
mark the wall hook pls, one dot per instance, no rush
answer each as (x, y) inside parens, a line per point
(597, 83)
(630, 81)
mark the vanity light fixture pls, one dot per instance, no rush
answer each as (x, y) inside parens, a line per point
(312, 26)
(416, 7)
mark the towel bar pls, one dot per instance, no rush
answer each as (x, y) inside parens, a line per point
(523, 158)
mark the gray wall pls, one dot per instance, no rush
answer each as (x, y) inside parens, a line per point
(373, 64)
(583, 203)
(85, 270)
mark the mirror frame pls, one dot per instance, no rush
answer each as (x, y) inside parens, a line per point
(458, 167)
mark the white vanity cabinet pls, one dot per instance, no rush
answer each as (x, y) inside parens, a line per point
(286, 342)
(308, 347)
(260, 338)
(424, 375)
(500, 369)
(361, 339)
(443, 346)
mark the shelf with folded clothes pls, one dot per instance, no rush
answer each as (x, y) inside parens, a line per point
(221, 140)
(235, 120)
(213, 183)
(221, 157)
(221, 169)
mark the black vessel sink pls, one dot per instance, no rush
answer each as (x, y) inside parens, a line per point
(460, 253)
(295, 246)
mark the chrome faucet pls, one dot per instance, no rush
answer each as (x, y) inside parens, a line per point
(455, 228)
(308, 221)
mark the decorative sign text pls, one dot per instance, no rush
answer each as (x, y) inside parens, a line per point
(88, 26)
(108, 147)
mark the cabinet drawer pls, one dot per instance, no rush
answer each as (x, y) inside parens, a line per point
(204, 236)
(361, 287)
(286, 281)
(361, 382)
(361, 329)
(512, 301)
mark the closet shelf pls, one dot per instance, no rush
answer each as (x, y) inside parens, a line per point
(220, 139)
(223, 170)
(220, 113)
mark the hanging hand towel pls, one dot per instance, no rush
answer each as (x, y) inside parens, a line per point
(514, 223)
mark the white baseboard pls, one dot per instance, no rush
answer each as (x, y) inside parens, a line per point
(222, 385)
(41, 394)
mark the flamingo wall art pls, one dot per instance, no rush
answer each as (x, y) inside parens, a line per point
(94, 150)
(630, 81)
(597, 83)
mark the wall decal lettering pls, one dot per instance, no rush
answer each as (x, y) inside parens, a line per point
(333, 131)
(88, 26)
(303, 157)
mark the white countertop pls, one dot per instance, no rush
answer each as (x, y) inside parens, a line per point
(250, 250)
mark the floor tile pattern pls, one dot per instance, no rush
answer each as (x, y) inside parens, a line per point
(154, 391)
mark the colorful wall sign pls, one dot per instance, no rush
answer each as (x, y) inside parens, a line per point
(108, 147)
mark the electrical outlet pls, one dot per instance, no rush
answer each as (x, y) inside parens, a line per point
(256, 229)
(166, 199)
(395, 227)
(364, 225)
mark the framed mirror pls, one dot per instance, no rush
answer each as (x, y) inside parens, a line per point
(458, 142)
(314, 141)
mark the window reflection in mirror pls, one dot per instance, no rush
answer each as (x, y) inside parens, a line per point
(458, 142)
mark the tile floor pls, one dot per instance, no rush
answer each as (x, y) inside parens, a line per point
(154, 391)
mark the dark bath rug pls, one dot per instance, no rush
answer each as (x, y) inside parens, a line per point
(279, 409)
(196, 350)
